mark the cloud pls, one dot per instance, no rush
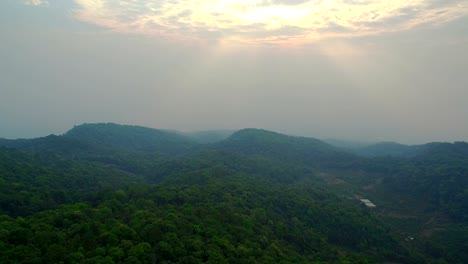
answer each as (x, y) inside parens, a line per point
(250, 21)
(35, 2)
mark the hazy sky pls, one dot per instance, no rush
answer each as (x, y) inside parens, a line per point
(351, 69)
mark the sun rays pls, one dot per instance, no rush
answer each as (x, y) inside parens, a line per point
(267, 21)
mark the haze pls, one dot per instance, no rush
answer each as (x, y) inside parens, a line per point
(358, 70)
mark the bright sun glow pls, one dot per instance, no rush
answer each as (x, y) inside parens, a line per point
(266, 20)
(273, 16)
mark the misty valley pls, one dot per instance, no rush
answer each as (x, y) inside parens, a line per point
(109, 193)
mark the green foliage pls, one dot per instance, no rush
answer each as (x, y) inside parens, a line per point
(439, 175)
(105, 193)
(226, 219)
(31, 182)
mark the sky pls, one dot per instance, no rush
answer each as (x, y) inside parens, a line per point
(362, 70)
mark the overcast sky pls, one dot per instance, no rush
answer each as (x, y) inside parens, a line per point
(349, 69)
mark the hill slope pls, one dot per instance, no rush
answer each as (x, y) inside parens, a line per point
(131, 138)
(51, 144)
(389, 149)
(309, 151)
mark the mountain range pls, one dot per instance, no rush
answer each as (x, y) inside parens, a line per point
(109, 193)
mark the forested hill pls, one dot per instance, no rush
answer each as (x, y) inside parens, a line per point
(308, 151)
(440, 175)
(444, 152)
(390, 149)
(209, 136)
(252, 140)
(108, 193)
(31, 183)
(131, 138)
(105, 137)
(51, 144)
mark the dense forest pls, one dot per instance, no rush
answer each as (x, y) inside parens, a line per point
(108, 193)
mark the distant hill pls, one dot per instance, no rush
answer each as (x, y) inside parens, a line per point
(389, 149)
(310, 151)
(347, 144)
(379, 149)
(131, 138)
(209, 136)
(50, 144)
(89, 138)
(437, 152)
(251, 140)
